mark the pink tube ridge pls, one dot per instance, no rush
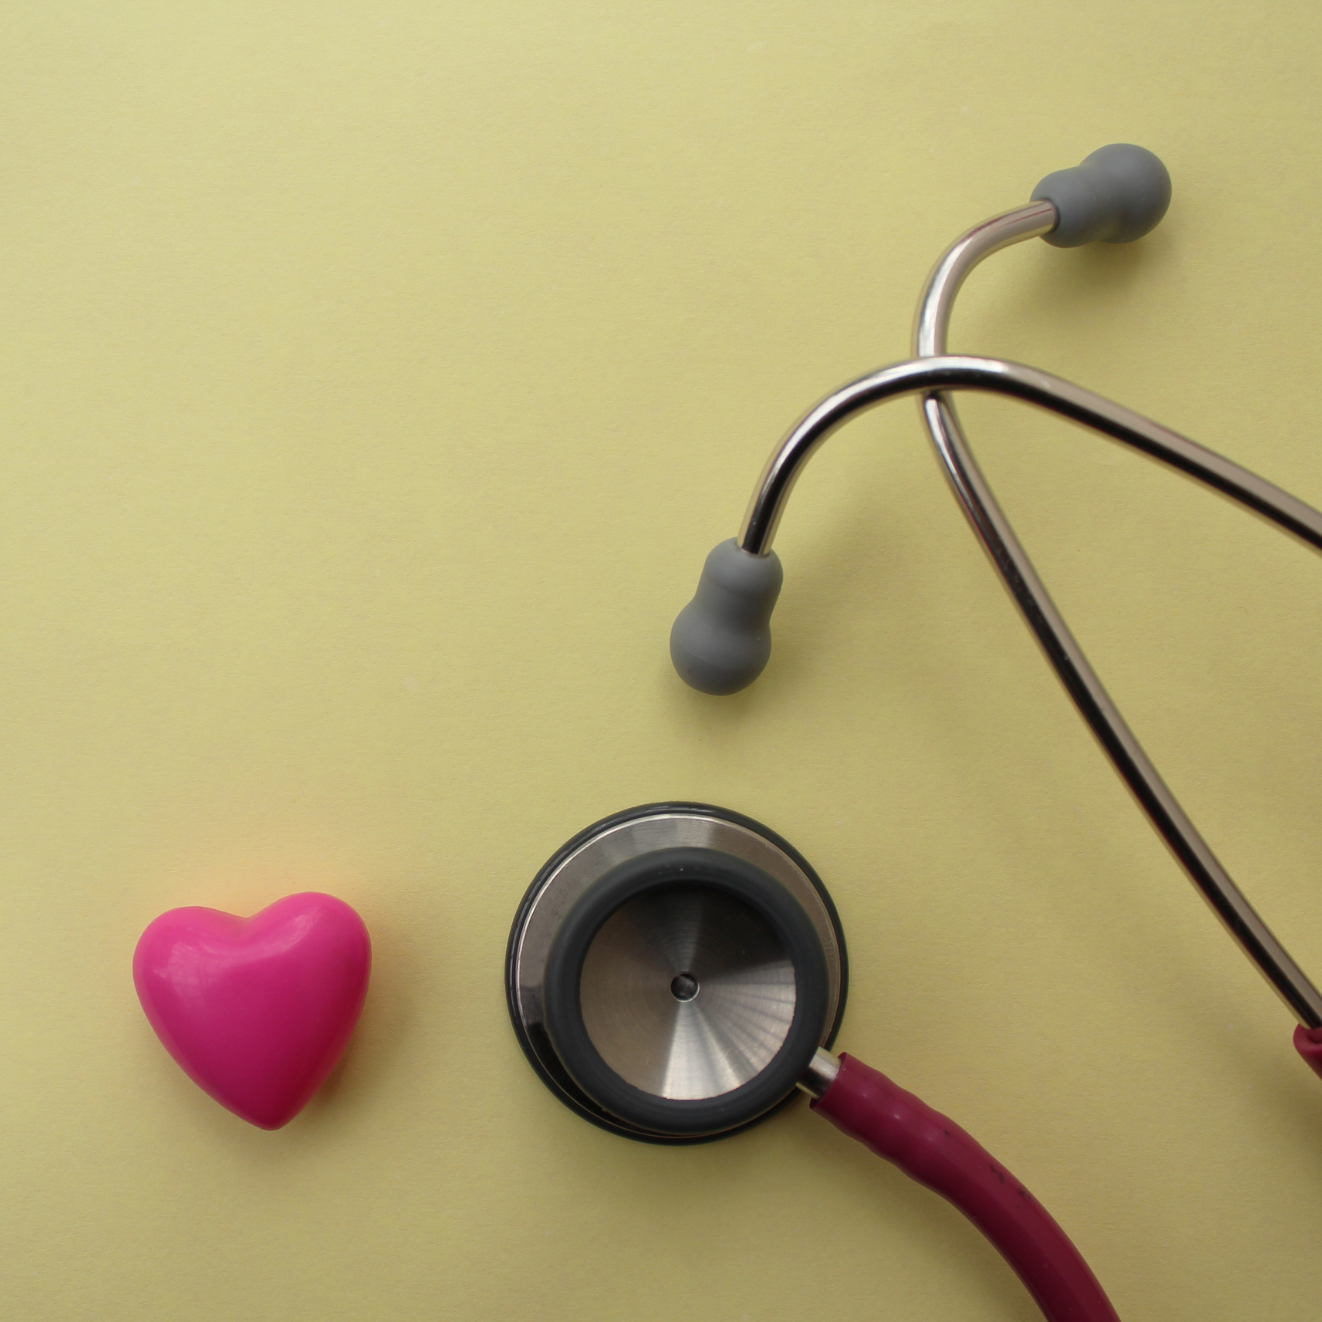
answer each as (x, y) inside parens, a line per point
(938, 1153)
(1308, 1043)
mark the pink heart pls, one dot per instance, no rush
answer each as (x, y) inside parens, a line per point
(256, 1010)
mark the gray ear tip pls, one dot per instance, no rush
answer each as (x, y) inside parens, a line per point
(715, 660)
(721, 641)
(1118, 194)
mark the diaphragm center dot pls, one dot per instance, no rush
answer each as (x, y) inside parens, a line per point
(684, 987)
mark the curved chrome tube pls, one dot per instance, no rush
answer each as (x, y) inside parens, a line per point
(933, 375)
(1067, 658)
(997, 376)
(938, 300)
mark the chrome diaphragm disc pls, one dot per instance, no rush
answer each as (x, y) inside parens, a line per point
(672, 968)
(687, 993)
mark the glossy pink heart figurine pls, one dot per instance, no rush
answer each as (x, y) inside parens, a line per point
(256, 1010)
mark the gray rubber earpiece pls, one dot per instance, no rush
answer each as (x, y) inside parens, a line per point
(721, 640)
(1117, 195)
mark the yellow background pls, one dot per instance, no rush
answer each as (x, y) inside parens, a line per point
(373, 381)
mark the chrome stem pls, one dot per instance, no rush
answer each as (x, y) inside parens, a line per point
(820, 1074)
(997, 536)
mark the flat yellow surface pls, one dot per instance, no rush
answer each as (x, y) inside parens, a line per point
(373, 381)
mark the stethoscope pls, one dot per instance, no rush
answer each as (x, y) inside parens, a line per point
(677, 971)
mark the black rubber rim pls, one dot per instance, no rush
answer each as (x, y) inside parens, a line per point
(686, 868)
(540, 1056)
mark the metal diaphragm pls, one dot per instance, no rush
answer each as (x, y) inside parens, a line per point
(672, 970)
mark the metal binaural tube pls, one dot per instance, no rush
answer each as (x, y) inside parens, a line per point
(998, 376)
(930, 377)
(934, 308)
(994, 531)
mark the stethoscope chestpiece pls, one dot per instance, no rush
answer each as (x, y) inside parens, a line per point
(672, 971)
